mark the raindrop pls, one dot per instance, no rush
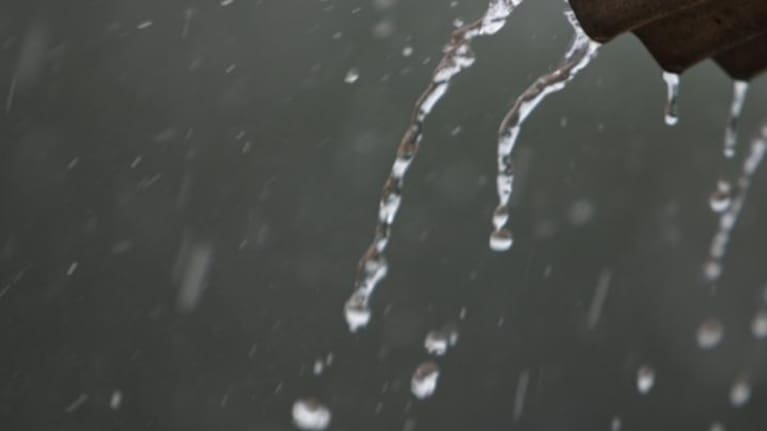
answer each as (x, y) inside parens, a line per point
(424, 381)
(710, 333)
(352, 76)
(645, 379)
(759, 324)
(672, 97)
(740, 393)
(407, 51)
(717, 426)
(309, 414)
(116, 399)
(318, 367)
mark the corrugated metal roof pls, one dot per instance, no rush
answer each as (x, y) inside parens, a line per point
(681, 33)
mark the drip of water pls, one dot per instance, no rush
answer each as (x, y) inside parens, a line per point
(722, 197)
(578, 56)
(712, 269)
(672, 97)
(457, 56)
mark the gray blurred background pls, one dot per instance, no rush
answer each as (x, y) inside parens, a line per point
(186, 187)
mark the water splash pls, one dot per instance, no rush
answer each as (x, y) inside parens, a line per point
(458, 55)
(712, 269)
(578, 56)
(721, 198)
(672, 97)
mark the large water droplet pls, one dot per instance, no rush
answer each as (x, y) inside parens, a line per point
(501, 240)
(710, 333)
(424, 381)
(309, 414)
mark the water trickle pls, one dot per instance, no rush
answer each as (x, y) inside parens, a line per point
(710, 333)
(672, 97)
(424, 381)
(580, 53)
(722, 197)
(310, 415)
(457, 56)
(712, 269)
(645, 379)
(739, 91)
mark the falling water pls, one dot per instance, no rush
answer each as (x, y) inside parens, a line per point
(579, 55)
(672, 97)
(739, 90)
(713, 266)
(722, 197)
(457, 56)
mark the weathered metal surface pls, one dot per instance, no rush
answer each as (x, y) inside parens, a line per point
(681, 33)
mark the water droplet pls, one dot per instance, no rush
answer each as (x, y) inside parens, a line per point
(710, 333)
(721, 198)
(645, 379)
(759, 324)
(436, 343)
(717, 426)
(116, 399)
(309, 414)
(740, 392)
(352, 76)
(318, 367)
(357, 313)
(424, 381)
(672, 104)
(407, 51)
(501, 240)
